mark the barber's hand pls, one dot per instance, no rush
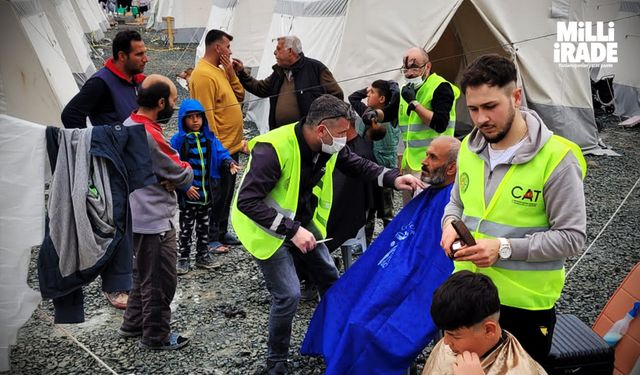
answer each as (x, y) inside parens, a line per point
(168, 186)
(467, 363)
(225, 60)
(408, 182)
(234, 168)
(449, 236)
(192, 193)
(238, 66)
(369, 116)
(304, 240)
(483, 254)
(408, 93)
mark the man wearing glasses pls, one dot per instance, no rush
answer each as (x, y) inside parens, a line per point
(426, 109)
(281, 209)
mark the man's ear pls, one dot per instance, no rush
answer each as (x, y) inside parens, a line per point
(382, 99)
(517, 96)
(161, 103)
(121, 56)
(451, 169)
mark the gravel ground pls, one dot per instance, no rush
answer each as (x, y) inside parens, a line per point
(225, 311)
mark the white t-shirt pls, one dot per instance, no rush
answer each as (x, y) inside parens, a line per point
(503, 156)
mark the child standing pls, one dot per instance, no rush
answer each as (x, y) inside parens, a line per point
(201, 149)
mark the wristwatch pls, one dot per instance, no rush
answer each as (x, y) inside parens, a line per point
(505, 249)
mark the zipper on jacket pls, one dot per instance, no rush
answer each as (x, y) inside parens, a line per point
(202, 164)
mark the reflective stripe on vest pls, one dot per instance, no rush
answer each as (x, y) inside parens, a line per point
(516, 210)
(416, 135)
(262, 242)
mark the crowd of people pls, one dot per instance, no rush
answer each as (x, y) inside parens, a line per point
(326, 170)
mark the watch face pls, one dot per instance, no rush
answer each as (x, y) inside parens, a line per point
(505, 252)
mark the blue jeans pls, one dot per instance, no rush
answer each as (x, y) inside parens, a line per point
(282, 282)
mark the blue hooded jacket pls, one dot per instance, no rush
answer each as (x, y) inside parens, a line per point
(216, 154)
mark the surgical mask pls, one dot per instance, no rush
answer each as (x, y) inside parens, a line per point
(415, 81)
(337, 145)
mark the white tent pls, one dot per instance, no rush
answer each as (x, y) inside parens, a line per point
(190, 18)
(90, 24)
(35, 79)
(355, 38)
(247, 21)
(626, 82)
(99, 14)
(68, 31)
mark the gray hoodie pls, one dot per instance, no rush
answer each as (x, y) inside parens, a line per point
(153, 207)
(563, 196)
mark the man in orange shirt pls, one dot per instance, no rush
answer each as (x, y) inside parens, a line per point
(215, 85)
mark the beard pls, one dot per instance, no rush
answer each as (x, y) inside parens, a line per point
(165, 114)
(434, 178)
(503, 133)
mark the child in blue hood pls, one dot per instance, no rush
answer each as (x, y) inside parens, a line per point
(203, 151)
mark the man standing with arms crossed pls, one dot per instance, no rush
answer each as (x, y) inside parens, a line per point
(519, 191)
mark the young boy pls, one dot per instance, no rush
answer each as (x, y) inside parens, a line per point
(385, 138)
(201, 149)
(467, 308)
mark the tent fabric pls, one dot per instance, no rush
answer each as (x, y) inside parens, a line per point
(67, 29)
(190, 18)
(333, 30)
(626, 82)
(375, 319)
(33, 69)
(21, 211)
(90, 25)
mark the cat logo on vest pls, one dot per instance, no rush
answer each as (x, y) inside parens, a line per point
(524, 196)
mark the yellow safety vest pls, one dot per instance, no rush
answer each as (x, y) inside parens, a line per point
(415, 134)
(262, 242)
(516, 209)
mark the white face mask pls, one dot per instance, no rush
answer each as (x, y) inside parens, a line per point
(415, 81)
(337, 145)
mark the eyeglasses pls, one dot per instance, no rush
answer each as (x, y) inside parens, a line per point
(413, 70)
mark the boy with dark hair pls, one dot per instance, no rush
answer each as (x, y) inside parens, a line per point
(467, 308)
(201, 149)
(385, 137)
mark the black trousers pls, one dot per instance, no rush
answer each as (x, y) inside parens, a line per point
(222, 195)
(532, 328)
(154, 285)
(190, 215)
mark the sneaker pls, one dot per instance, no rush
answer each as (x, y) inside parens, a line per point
(183, 266)
(277, 368)
(117, 299)
(206, 261)
(175, 342)
(308, 291)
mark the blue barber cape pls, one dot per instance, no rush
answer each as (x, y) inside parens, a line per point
(375, 319)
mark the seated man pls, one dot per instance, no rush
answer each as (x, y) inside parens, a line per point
(467, 308)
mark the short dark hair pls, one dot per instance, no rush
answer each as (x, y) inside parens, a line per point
(215, 35)
(148, 96)
(493, 70)
(327, 107)
(384, 89)
(122, 42)
(465, 299)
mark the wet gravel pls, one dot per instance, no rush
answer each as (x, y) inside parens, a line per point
(225, 311)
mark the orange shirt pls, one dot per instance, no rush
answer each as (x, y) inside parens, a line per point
(210, 86)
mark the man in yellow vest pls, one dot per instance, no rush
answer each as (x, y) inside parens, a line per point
(426, 109)
(284, 200)
(519, 191)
